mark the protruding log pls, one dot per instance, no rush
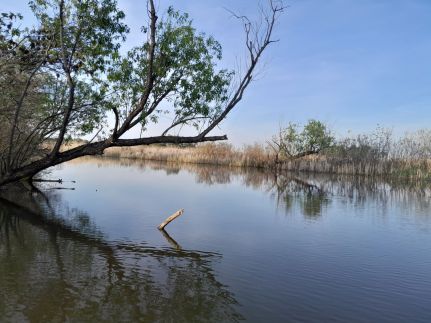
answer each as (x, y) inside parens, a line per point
(170, 219)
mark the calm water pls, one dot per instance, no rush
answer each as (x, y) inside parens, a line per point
(250, 246)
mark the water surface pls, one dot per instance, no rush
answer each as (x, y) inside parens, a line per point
(251, 245)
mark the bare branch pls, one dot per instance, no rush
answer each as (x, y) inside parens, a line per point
(256, 45)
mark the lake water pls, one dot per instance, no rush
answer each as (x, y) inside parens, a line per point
(250, 246)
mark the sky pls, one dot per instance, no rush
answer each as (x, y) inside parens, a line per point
(352, 64)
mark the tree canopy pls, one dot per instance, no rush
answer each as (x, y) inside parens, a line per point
(67, 76)
(292, 142)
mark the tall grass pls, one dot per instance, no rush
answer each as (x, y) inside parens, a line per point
(375, 154)
(208, 153)
(411, 169)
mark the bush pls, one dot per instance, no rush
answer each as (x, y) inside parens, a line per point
(291, 142)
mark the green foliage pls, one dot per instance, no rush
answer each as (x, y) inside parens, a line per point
(86, 38)
(67, 75)
(78, 43)
(316, 136)
(72, 45)
(185, 73)
(293, 141)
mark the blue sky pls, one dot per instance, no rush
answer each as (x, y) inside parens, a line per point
(353, 64)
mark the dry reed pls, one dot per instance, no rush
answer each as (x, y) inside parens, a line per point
(259, 156)
(214, 154)
(375, 154)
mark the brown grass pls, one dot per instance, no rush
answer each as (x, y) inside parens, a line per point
(259, 156)
(214, 154)
(343, 160)
(49, 144)
(408, 169)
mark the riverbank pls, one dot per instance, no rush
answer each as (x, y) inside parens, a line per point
(262, 157)
(208, 153)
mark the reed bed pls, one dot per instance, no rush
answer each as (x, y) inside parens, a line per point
(208, 153)
(377, 154)
(403, 169)
(262, 157)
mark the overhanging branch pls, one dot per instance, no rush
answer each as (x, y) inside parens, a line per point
(165, 140)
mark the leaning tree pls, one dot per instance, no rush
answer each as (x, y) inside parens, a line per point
(67, 76)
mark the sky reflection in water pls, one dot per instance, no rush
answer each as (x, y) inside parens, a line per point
(251, 245)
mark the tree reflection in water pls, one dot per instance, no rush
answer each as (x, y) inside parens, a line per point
(308, 193)
(56, 265)
(60, 268)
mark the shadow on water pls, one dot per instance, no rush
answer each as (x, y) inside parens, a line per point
(57, 267)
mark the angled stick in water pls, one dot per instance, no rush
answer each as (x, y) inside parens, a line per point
(170, 219)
